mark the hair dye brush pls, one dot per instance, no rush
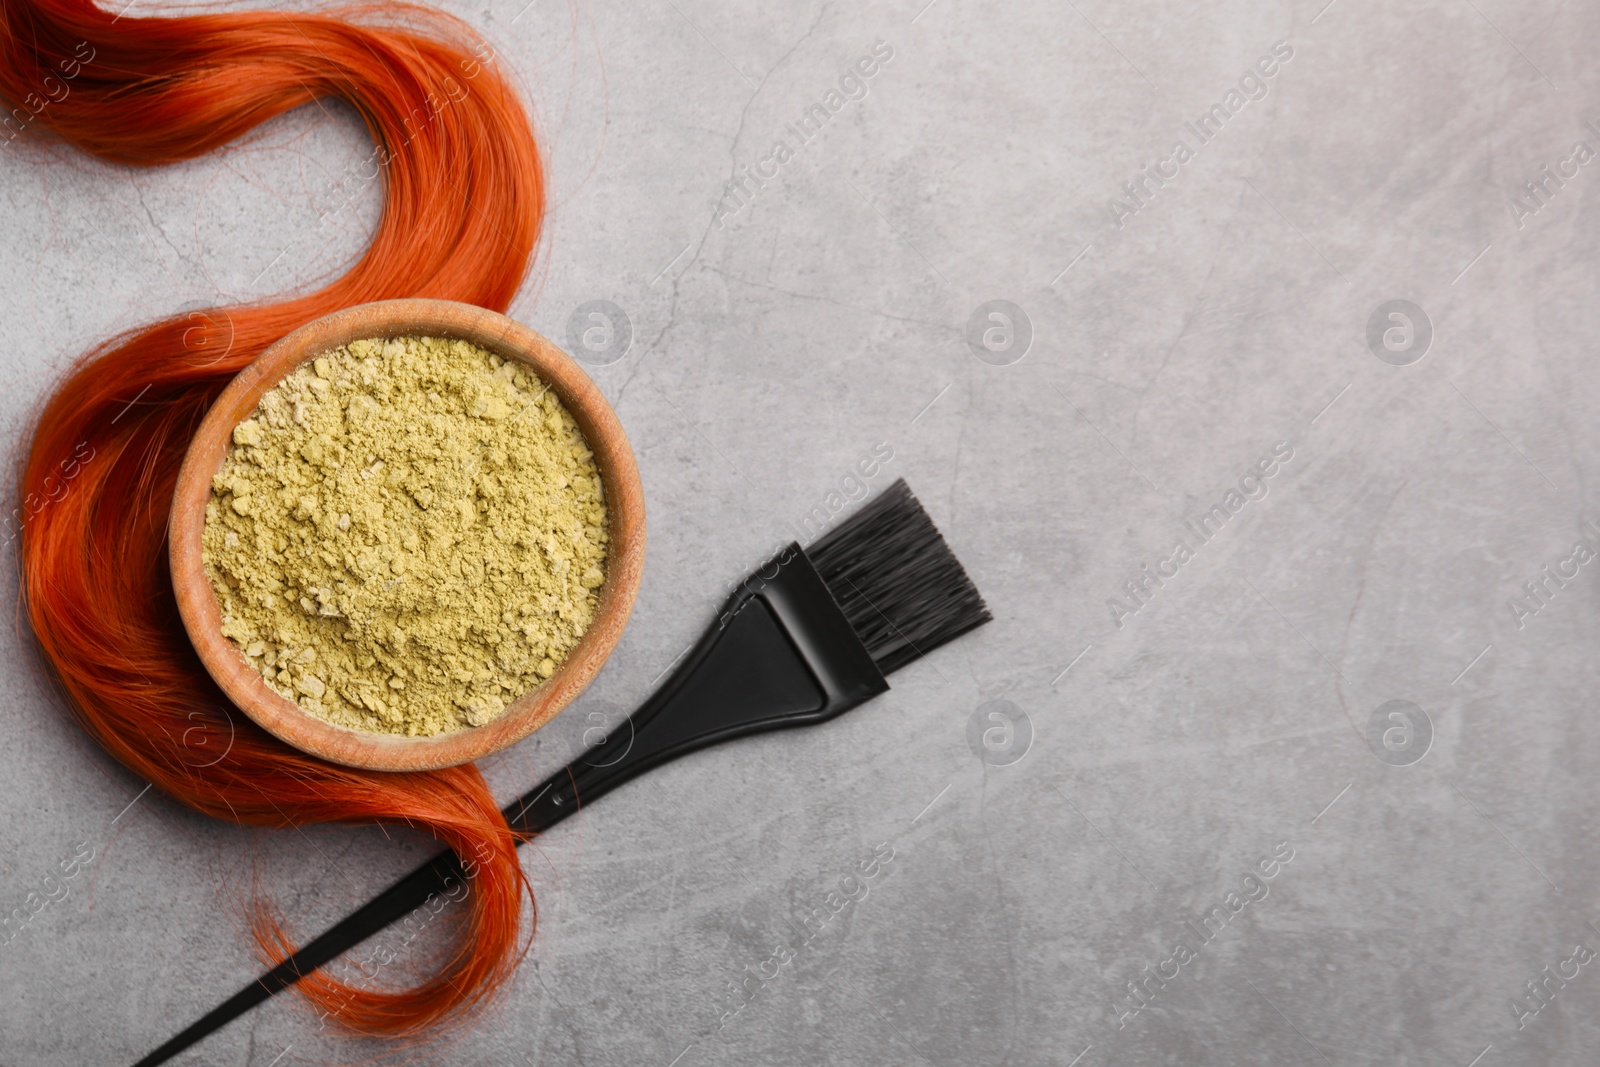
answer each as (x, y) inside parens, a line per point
(805, 638)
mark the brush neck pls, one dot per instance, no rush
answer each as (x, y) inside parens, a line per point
(781, 654)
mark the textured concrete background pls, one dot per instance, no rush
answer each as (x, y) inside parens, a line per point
(1439, 861)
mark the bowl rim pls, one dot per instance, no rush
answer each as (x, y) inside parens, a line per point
(197, 602)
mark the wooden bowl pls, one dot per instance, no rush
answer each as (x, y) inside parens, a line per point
(624, 497)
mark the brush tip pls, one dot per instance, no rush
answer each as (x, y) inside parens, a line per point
(896, 580)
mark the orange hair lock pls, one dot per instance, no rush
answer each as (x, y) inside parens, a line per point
(463, 201)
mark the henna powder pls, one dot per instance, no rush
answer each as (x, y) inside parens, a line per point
(406, 535)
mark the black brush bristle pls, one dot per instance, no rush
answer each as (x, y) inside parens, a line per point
(899, 584)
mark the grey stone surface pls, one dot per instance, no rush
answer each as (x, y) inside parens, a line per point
(1173, 749)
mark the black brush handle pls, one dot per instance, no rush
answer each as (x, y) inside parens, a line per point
(781, 654)
(388, 907)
